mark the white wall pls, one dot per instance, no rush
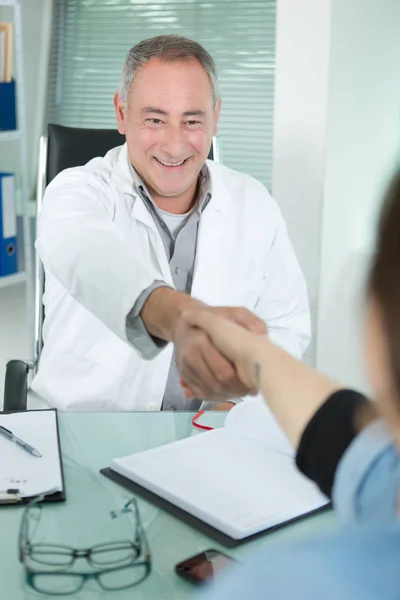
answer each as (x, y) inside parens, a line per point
(301, 96)
(362, 148)
(337, 138)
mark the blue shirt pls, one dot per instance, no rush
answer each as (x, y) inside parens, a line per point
(361, 561)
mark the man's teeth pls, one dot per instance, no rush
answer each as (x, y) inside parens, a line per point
(171, 164)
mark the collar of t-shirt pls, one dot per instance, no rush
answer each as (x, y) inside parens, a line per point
(203, 198)
(172, 221)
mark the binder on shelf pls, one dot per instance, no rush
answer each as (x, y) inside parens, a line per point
(8, 121)
(8, 117)
(6, 36)
(8, 226)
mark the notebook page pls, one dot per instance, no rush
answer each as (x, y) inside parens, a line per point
(253, 419)
(237, 485)
(19, 469)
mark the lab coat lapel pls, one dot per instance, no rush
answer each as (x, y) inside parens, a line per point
(122, 177)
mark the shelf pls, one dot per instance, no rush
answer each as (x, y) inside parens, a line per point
(9, 280)
(31, 206)
(9, 136)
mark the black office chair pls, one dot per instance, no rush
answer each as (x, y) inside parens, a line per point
(64, 147)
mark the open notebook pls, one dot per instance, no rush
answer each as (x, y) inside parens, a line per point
(23, 476)
(240, 479)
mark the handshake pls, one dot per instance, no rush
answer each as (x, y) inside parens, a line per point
(216, 348)
(224, 353)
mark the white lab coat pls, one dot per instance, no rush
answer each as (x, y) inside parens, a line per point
(101, 249)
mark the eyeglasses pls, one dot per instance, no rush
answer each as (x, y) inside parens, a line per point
(116, 565)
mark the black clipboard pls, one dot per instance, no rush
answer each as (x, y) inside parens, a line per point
(15, 499)
(183, 515)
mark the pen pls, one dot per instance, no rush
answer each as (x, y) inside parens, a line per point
(13, 438)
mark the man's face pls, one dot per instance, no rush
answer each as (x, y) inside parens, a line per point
(169, 121)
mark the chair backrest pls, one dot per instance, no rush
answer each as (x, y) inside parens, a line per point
(73, 147)
(67, 147)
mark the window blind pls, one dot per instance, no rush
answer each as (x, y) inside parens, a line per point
(92, 37)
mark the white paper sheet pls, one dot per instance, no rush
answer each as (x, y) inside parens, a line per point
(254, 420)
(19, 469)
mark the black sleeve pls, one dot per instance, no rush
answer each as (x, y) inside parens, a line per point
(327, 436)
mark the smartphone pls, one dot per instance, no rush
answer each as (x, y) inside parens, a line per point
(204, 566)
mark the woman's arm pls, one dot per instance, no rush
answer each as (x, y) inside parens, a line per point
(293, 391)
(319, 416)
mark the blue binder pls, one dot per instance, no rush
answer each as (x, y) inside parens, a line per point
(8, 225)
(8, 117)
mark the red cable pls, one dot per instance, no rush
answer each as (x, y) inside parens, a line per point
(194, 419)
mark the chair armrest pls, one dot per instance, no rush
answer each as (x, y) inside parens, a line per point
(16, 385)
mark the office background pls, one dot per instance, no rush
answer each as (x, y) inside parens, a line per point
(311, 105)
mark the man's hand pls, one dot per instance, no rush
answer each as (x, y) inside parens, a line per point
(205, 373)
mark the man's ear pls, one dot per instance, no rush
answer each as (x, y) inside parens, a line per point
(120, 113)
(217, 112)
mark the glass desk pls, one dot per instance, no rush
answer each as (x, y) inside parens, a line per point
(88, 442)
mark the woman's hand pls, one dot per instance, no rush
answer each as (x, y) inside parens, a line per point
(240, 346)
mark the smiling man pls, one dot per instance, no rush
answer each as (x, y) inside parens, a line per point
(132, 240)
(169, 138)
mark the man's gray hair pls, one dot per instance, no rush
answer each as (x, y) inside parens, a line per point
(171, 48)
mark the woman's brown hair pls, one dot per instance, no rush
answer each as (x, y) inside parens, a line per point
(384, 281)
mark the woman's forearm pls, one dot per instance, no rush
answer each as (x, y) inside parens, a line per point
(293, 390)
